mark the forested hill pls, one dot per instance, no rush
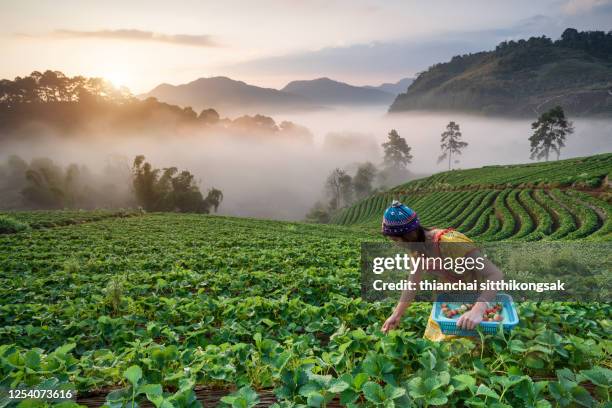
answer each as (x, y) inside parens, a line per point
(521, 78)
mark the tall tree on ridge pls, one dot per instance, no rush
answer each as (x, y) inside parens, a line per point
(451, 143)
(550, 131)
(397, 152)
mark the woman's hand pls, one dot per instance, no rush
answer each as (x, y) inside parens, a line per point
(391, 323)
(470, 320)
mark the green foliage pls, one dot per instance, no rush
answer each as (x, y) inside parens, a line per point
(169, 190)
(364, 179)
(133, 374)
(542, 219)
(48, 218)
(379, 396)
(54, 86)
(245, 397)
(451, 143)
(597, 43)
(549, 133)
(564, 218)
(139, 388)
(9, 225)
(43, 184)
(396, 151)
(597, 205)
(563, 173)
(526, 224)
(319, 214)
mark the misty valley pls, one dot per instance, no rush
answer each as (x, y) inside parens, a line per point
(71, 143)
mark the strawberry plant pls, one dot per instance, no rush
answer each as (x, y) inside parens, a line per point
(245, 397)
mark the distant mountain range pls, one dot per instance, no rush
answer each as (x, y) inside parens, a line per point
(394, 88)
(229, 97)
(326, 91)
(521, 78)
(232, 97)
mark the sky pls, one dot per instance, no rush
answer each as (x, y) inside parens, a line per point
(140, 44)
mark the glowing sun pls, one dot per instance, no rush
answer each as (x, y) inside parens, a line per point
(117, 78)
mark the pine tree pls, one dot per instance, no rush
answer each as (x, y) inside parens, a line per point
(450, 143)
(397, 151)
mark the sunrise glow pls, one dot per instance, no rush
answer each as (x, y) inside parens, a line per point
(117, 78)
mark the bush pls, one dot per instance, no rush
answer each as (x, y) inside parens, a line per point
(9, 225)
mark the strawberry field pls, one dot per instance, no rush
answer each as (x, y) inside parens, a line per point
(161, 309)
(501, 204)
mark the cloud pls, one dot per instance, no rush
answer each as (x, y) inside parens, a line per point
(581, 6)
(391, 60)
(371, 61)
(137, 35)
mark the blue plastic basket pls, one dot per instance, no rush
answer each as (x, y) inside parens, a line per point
(449, 326)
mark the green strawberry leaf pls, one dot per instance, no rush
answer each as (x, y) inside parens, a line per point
(151, 390)
(373, 392)
(133, 374)
(582, 397)
(393, 392)
(337, 386)
(463, 381)
(32, 359)
(315, 399)
(486, 391)
(599, 376)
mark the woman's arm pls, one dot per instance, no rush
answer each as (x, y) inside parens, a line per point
(406, 298)
(490, 272)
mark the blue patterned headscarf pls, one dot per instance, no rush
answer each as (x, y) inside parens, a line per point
(399, 220)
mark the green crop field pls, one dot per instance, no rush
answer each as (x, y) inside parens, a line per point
(167, 307)
(54, 218)
(568, 199)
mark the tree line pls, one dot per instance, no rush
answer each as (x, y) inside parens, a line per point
(170, 190)
(44, 184)
(596, 43)
(343, 189)
(54, 86)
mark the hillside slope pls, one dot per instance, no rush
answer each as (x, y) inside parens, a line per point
(568, 199)
(521, 78)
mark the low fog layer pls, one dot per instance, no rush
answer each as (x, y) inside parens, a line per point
(491, 140)
(281, 179)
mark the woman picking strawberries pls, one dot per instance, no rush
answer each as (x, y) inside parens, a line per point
(401, 224)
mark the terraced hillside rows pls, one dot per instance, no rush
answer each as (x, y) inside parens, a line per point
(580, 172)
(567, 199)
